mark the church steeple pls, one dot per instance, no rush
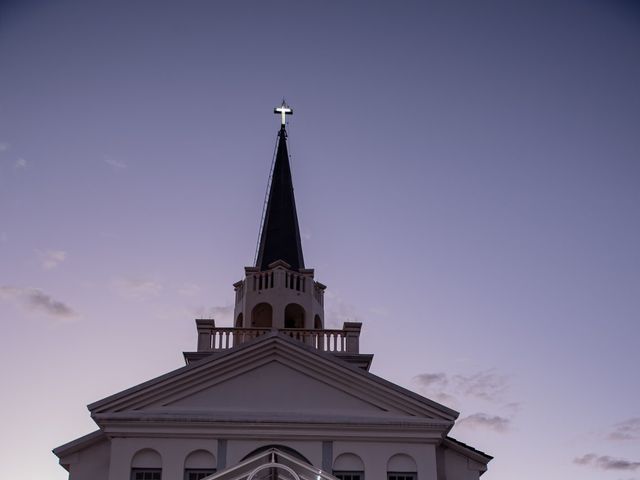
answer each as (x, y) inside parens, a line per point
(280, 235)
(279, 291)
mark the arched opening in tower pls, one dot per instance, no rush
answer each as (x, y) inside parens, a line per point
(262, 316)
(293, 316)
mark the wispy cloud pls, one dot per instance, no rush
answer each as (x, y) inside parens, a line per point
(36, 300)
(486, 421)
(379, 312)
(4, 146)
(114, 163)
(486, 385)
(137, 287)
(627, 430)
(430, 380)
(20, 164)
(50, 259)
(189, 290)
(338, 311)
(221, 313)
(605, 462)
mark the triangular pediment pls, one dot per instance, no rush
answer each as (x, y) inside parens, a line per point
(273, 375)
(272, 387)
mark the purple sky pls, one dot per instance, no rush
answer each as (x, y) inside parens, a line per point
(468, 185)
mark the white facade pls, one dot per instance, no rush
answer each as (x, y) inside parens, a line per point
(270, 391)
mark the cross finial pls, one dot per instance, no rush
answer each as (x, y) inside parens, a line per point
(283, 110)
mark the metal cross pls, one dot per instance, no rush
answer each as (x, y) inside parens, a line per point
(283, 110)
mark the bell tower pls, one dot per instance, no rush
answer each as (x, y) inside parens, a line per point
(278, 292)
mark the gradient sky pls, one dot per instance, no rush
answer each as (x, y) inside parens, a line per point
(468, 185)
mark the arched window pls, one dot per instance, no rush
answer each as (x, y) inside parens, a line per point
(262, 316)
(239, 321)
(146, 465)
(401, 467)
(199, 464)
(317, 322)
(293, 316)
(348, 466)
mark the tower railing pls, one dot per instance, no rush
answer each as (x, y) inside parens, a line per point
(214, 339)
(260, 281)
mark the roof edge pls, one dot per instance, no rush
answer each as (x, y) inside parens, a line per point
(79, 443)
(467, 450)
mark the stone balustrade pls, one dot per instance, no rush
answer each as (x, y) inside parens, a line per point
(212, 338)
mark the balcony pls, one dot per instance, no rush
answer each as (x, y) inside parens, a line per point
(216, 339)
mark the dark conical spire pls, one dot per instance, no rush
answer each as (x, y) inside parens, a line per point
(280, 236)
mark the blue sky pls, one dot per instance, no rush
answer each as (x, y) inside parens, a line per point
(467, 178)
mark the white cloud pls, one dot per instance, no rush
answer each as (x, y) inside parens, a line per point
(114, 163)
(189, 290)
(482, 420)
(20, 164)
(627, 430)
(50, 259)
(338, 311)
(485, 385)
(380, 312)
(605, 462)
(137, 287)
(36, 300)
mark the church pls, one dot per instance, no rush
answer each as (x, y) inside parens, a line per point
(276, 396)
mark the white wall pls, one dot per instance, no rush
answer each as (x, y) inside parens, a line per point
(173, 452)
(458, 467)
(92, 463)
(375, 456)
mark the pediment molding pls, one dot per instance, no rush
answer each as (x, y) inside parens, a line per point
(291, 353)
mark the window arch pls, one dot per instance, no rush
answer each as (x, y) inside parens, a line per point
(348, 466)
(146, 464)
(262, 316)
(239, 321)
(199, 464)
(294, 316)
(317, 322)
(401, 467)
